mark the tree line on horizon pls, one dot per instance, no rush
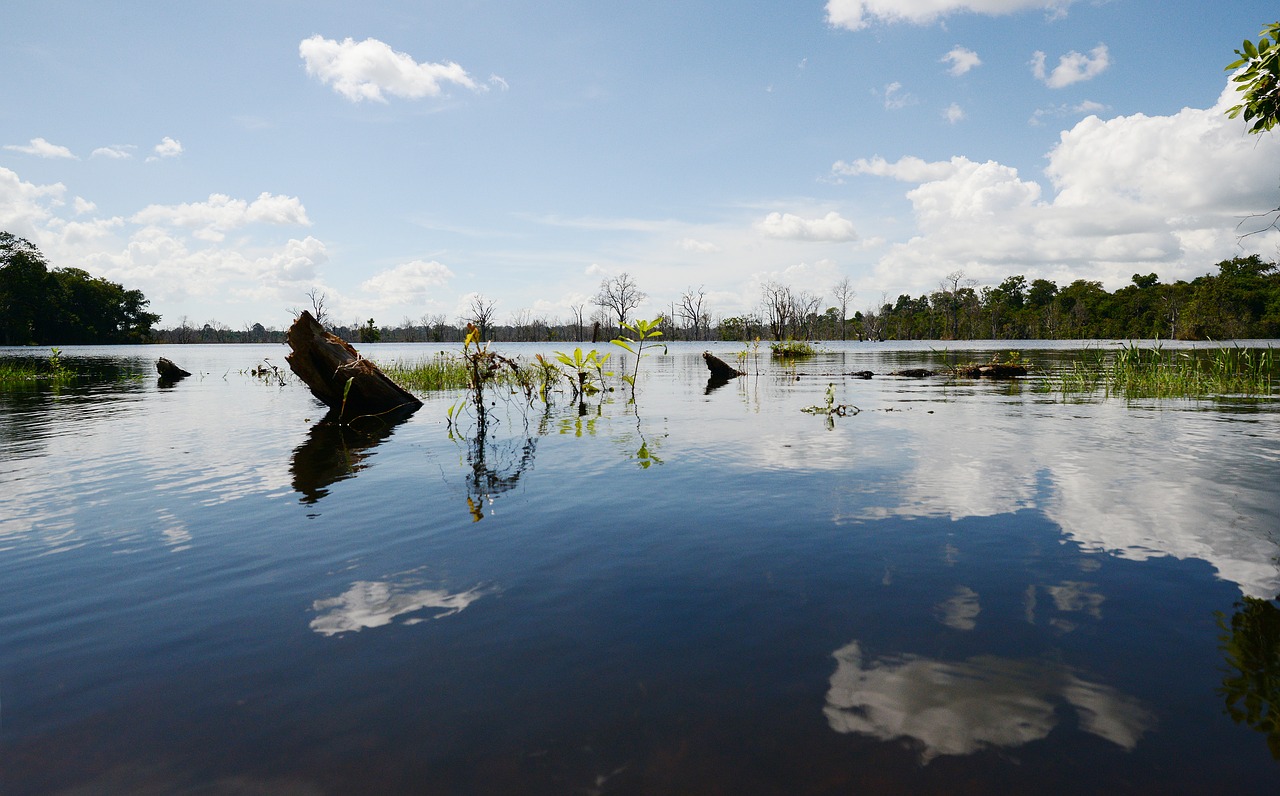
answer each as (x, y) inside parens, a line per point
(1240, 301)
(55, 306)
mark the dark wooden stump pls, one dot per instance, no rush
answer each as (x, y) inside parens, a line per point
(719, 368)
(327, 364)
(170, 372)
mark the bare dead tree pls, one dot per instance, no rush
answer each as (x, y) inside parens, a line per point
(481, 312)
(318, 300)
(520, 322)
(844, 294)
(619, 296)
(778, 307)
(578, 311)
(805, 306)
(692, 310)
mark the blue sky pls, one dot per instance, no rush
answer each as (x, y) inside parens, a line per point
(227, 158)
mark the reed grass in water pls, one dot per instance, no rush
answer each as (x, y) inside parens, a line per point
(440, 372)
(26, 371)
(1133, 372)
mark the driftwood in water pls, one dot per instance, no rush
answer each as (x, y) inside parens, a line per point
(992, 370)
(170, 372)
(914, 373)
(719, 368)
(327, 364)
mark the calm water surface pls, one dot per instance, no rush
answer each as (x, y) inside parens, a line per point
(964, 588)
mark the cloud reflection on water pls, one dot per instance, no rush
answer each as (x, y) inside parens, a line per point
(1131, 482)
(378, 603)
(958, 708)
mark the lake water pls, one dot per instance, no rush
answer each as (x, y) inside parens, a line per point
(965, 587)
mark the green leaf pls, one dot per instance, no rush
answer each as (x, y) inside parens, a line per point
(1249, 49)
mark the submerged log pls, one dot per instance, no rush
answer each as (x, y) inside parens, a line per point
(327, 364)
(992, 370)
(719, 368)
(170, 372)
(914, 373)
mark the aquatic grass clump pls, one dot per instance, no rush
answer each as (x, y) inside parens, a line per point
(27, 371)
(18, 372)
(440, 372)
(1134, 372)
(792, 349)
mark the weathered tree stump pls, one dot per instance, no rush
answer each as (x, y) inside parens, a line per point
(170, 372)
(719, 368)
(327, 364)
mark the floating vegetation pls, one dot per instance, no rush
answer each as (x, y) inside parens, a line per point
(28, 371)
(831, 410)
(269, 374)
(792, 349)
(1133, 372)
(1011, 366)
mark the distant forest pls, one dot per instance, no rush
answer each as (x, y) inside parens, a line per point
(1240, 301)
(40, 305)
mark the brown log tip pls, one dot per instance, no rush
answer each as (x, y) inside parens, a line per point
(719, 368)
(169, 371)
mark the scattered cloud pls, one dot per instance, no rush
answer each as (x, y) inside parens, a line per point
(371, 70)
(82, 206)
(859, 14)
(42, 149)
(907, 169)
(1072, 68)
(698, 246)
(499, 83)
(895, 98)
(962, 60)
(168, 148)
(114, 152)
(953, 113)
(829, 228)
(212, 219)
(1068, 109)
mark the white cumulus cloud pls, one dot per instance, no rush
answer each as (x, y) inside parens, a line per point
(1072, 68)
(370, 70)
(42, 149)
(953, 113)
(962, 60)
(829, 228)
(298, 261)
(410, 281)
(1129, 194)
(212, 219)
(168, 148)
(858, 14)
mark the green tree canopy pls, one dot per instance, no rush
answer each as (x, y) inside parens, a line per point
(44, 306)
(1259, 80)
